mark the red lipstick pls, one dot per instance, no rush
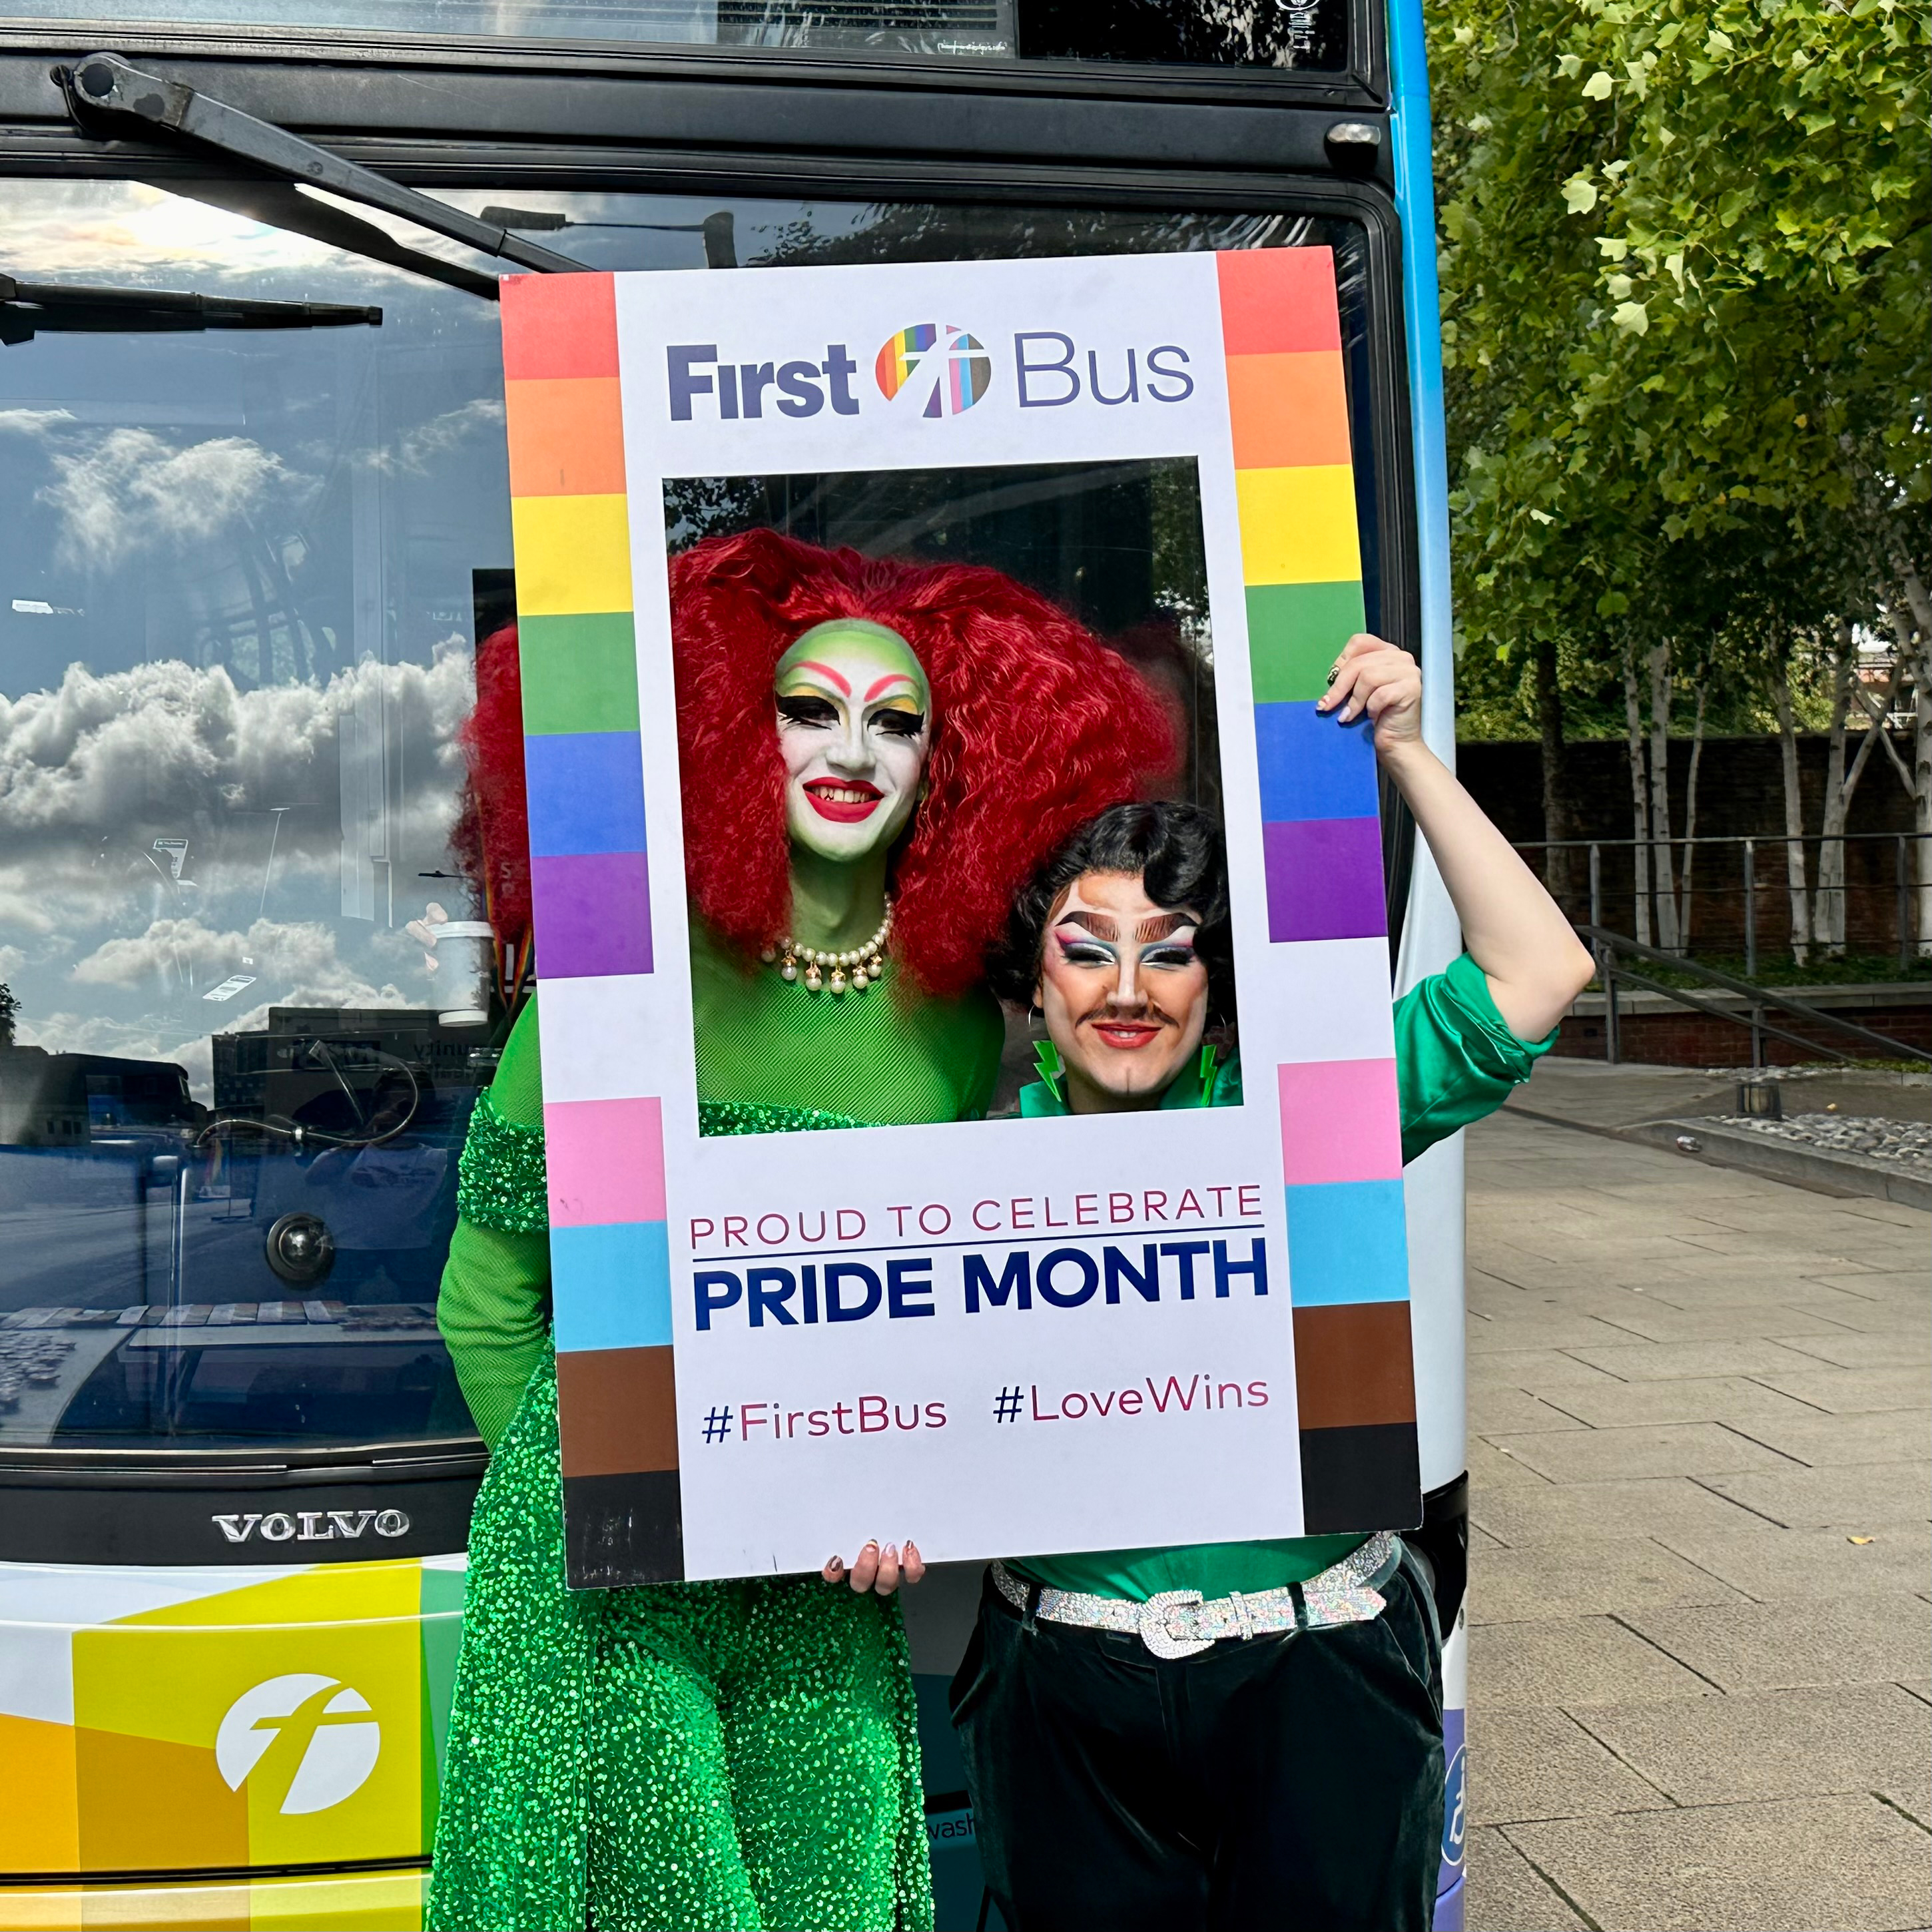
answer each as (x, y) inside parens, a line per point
(1129, 1035)
(844, 801)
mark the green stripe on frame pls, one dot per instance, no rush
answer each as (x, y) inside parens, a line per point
(1295, 632)
(580, 674)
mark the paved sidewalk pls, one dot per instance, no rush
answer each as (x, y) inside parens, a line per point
(1695, 1700)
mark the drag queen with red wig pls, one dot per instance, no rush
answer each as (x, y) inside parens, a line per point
(873, 756)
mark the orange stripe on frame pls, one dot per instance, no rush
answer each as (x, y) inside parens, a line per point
(1287, 411)
(566, 437)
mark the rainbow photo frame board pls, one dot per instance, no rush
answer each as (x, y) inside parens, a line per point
(1050, 1334)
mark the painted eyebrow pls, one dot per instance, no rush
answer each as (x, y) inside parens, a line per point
(825, 671)
(1166, 923)
(890, 678)
(1099, 924)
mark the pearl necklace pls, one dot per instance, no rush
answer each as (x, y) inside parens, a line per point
(865, 962)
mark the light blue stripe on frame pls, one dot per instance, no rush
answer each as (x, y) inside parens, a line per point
(612, 1285)
(1347, 1241)
(1312, 767)
(587, 792)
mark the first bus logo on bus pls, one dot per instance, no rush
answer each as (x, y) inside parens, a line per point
(949, 368)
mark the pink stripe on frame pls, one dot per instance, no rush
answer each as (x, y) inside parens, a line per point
(1339, 1121)
(606, 1162)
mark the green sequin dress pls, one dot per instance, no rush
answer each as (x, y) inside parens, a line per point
(680, 1757)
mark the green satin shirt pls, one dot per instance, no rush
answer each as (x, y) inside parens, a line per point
(1455, 1059)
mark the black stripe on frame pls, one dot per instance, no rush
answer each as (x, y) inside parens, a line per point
(622, 1530)
(1367, 1478)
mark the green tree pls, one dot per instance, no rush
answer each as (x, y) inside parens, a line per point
(1684, 265)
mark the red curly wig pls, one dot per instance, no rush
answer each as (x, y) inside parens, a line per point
(1036, 727)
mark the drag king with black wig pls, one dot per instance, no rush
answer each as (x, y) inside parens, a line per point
(873, 756)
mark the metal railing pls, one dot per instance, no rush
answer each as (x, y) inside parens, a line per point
(1608, 946)
(1748, 887)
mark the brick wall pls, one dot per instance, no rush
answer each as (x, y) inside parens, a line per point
(1740, 794)
(1682, 1038)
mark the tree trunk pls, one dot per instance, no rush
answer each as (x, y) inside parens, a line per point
(1559, 867)
(1794, 820)
(1664, 872)
(1919, 603)
(1827, 901)
(1639, 805)
(1690, 818)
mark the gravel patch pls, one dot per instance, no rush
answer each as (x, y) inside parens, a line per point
(1908, 1142)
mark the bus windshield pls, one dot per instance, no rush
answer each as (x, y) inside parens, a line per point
(251, 993)
(1301, 34)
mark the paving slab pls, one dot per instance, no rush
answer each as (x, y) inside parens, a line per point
(1530, 1509)
(1572, 1578)
(1827, 1864)
(1832, 1441)
(1572, 1660)
(1684, 1399)
(1672, 1361)
(1862, 1639)
(1527, 1765)
(1770, 1564)
(1856, 1391)
(1766, 1745)
(1494, 1473)
(1911, 1793)
(1848, 1349)
(1850, 1497)
(1505, 1894)
(1607, 1455)
(1496, 1411)
(1538, 1370)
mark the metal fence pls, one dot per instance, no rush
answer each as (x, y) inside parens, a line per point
(1728, 889)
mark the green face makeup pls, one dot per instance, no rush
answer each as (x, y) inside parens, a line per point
(854, 715)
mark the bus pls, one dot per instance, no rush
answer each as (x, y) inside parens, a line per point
(255, 515)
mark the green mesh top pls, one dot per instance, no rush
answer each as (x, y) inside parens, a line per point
(770, 1057)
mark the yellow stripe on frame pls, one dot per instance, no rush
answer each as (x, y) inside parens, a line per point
(573, 555)
(1298, 525)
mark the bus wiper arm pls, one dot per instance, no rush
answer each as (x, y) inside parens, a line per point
(27, 309)
(106, 82)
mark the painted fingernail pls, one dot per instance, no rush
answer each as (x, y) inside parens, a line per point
(890, 1554)
(835, 1563)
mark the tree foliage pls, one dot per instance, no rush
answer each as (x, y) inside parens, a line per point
(1684, 268)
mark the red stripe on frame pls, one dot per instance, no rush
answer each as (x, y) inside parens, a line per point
(559, 325)
(1278, 302)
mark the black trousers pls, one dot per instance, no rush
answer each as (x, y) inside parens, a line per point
(1292, 1782)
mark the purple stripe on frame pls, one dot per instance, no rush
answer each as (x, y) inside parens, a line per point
(1325, 879)
(593, 914)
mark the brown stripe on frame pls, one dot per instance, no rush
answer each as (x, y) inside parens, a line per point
(1352, 1365)
(622, 1530)
(1359, 1479)
(616, 1411)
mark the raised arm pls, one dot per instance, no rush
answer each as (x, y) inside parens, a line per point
(1535, 964)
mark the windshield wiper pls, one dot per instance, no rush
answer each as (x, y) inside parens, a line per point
(280, 204)
(105, 83)
(27, 309)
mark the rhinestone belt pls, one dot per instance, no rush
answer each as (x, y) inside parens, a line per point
(1181, 1623)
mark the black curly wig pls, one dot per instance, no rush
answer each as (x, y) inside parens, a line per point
(1175, 850)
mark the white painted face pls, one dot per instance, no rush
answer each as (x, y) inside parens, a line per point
(855, 722)
(1124, 993)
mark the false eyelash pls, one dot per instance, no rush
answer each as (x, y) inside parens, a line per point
(1176, 956)
(1087, 952)
(901, 724)
(815, 711)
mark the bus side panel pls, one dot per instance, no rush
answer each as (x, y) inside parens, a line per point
(177, 1720)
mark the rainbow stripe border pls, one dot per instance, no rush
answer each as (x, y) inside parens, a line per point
(590, 879)
(1301, 573)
